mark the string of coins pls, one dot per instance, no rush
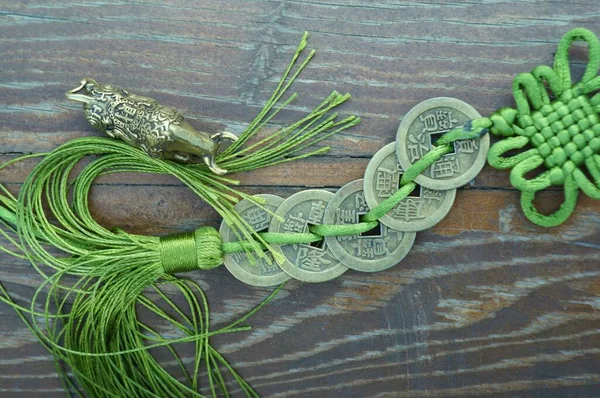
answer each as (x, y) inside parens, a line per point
(370, 224)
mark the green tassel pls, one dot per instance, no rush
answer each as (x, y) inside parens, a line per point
(91, 296)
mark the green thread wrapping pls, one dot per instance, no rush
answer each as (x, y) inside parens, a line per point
(555, 125)
(190, 251)
(178, 253)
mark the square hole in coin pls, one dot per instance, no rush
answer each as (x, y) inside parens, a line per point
(320, 244)
(259, 231)
(375, 232)
(434, 137)
(416, 193)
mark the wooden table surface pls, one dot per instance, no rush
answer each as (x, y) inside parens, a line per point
(485, 304)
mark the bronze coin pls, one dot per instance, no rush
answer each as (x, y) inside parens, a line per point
(371, 251)
(422, 209)
(423, 125)
(261, 272)
(306, 262)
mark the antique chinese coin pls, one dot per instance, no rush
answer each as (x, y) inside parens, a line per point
(423, 125)
(307, 262)
(371, 251)
(421, 209)
(261, 272)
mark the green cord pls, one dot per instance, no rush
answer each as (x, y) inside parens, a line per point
(101, 339)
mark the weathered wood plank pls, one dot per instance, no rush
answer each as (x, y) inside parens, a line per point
(485, 304)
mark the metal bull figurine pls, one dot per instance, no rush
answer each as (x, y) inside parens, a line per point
(158, 130)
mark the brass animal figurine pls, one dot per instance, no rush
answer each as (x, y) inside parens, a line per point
(158, 130)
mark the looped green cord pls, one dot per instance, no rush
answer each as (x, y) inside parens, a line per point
(558, 217)
(555, 125)
(561, 60)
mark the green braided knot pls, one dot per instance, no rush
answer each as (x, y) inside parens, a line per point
(555, 125)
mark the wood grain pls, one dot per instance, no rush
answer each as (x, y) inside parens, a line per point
(485, 304)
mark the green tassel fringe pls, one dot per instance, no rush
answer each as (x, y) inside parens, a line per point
(86, 310)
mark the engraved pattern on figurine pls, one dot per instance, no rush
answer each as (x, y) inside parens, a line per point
(159, 131)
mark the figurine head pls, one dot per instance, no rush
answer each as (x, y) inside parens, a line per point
(95, 98)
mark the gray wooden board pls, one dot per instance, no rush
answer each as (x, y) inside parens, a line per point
(485, 304)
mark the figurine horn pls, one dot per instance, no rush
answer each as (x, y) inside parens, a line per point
(225, 135)
(73, 94)
(212, 165)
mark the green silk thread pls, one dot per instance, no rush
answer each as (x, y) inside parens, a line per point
(371, 219)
